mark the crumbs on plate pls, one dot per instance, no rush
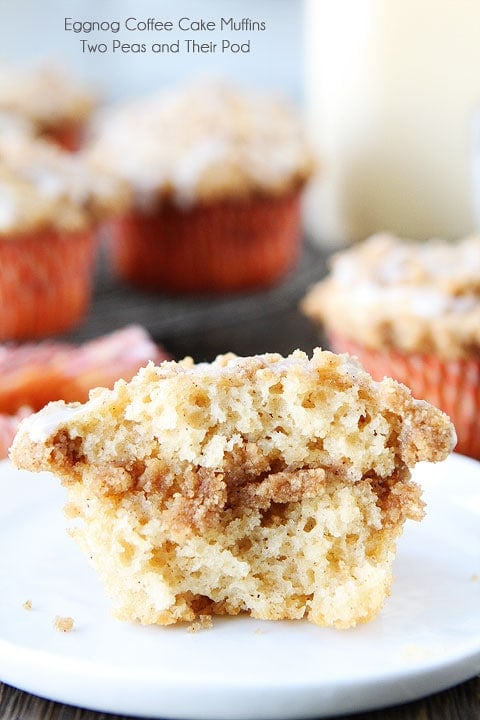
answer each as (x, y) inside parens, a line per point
(202, 622)
(63, 624)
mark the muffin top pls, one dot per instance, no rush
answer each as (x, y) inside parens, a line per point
(44, 95)
(204, 142)
(244, 415)
(42, 187)
(403, 295)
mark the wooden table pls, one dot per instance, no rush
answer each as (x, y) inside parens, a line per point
(460, 703)
(203, 327)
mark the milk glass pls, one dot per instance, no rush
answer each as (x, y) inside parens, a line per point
(391, 86)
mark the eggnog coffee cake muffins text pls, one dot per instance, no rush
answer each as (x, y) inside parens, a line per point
(270, 485)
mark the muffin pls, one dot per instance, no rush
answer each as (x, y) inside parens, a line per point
(410, 311)
(267, 485)
(216, 175)
(57, 107)
(50, 206)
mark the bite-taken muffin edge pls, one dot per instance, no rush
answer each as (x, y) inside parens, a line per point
(234, 499)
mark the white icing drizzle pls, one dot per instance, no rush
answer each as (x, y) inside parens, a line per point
(426, 280)
(43, 425)
(42, 185)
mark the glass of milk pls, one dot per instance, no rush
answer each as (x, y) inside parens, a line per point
(391, 88)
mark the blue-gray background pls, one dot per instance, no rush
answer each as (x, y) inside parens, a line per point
(30, 30)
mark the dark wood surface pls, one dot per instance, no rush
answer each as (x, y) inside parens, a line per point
(204, 327)
(459, 703)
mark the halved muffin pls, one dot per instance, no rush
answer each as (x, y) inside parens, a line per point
(271, 485)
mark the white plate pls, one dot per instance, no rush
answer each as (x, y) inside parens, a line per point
(426, 638)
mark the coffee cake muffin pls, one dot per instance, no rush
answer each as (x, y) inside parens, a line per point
(268, 485)
(411, 311)
(51, 203)
(216, 174)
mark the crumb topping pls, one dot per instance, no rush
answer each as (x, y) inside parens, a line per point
(43, 187)
(63, 624)
(204, 142)
(44, 95)
(239, 418)
(404, 295)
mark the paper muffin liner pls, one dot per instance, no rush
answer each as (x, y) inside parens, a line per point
(452, 385)
(216, 247)
(45, 282)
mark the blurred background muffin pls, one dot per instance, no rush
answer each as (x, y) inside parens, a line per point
(216, 175)
(50, 205)
(411, 311)
(54, 105)
(32, 374)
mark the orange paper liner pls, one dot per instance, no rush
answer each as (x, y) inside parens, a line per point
(45, 282)
(219, 247)
(451, 385)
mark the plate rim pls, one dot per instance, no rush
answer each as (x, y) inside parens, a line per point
(426, 674)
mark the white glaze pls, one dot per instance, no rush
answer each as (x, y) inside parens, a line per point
(423, 280)
(42, 425)
(42, 185)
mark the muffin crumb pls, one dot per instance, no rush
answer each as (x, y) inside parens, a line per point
(63, 624)
(27, 605)
(202, 622)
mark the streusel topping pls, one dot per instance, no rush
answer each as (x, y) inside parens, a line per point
(202, 142)
(292, 412)
(43, 187)
(44, 95)
(404, 295)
